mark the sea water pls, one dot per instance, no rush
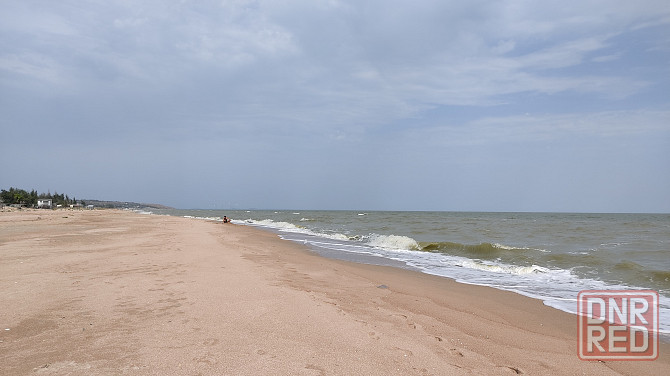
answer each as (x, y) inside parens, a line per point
(547, 256)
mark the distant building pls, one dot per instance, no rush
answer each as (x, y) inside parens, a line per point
(44, 203)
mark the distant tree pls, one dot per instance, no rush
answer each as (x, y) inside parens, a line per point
(19, 197)
(6, 196)
(14, 196)
(31, 200)
(59, 199)
(22, 197)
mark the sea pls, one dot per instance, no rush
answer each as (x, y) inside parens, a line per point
(545, 256)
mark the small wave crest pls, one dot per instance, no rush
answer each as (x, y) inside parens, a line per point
(660, 275)
(634, 273)
(482, 250)
(203, 218)
(395, 242)
(290, 227)
(629, 265)
(503, 268)
(284, 226)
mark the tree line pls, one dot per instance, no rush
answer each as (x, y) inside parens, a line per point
(16, 196)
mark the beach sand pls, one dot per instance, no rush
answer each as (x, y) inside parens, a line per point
(115, 292)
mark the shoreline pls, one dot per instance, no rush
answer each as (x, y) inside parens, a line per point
(115, 291)
(312, 239)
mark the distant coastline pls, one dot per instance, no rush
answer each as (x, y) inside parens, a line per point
(124, 205)
(16, 197)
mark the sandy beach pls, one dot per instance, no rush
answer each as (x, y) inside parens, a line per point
(116, 292)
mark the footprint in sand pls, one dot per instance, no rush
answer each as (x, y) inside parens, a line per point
(207, 358)
(211, 342)
(314, 370)
(404, 351)
(456, 352)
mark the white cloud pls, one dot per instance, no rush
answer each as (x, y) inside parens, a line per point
(606, 58)
(43, 68)
(548, 128)
(562, 55)
(346, 53)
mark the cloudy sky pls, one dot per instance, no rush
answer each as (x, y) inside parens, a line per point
(308, 104)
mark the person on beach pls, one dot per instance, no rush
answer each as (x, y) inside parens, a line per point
(225, 219)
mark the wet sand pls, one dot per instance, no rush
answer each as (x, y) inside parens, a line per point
(114, 292)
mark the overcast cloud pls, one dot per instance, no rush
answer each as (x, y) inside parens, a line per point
(393, 105)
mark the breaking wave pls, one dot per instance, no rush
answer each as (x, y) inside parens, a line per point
(393, 242)
(290, 227)
(503, 268)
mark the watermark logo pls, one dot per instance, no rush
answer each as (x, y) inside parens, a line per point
(618, 325)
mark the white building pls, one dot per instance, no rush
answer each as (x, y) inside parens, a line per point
(44, 203)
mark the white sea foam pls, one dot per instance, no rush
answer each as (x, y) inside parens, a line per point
(503, 268)
(395, 242)
(290, 227)
(511, 248)
(278, 225)
(502, 246)
(204, 218)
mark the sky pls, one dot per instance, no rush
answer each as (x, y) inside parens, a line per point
(362, 105)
